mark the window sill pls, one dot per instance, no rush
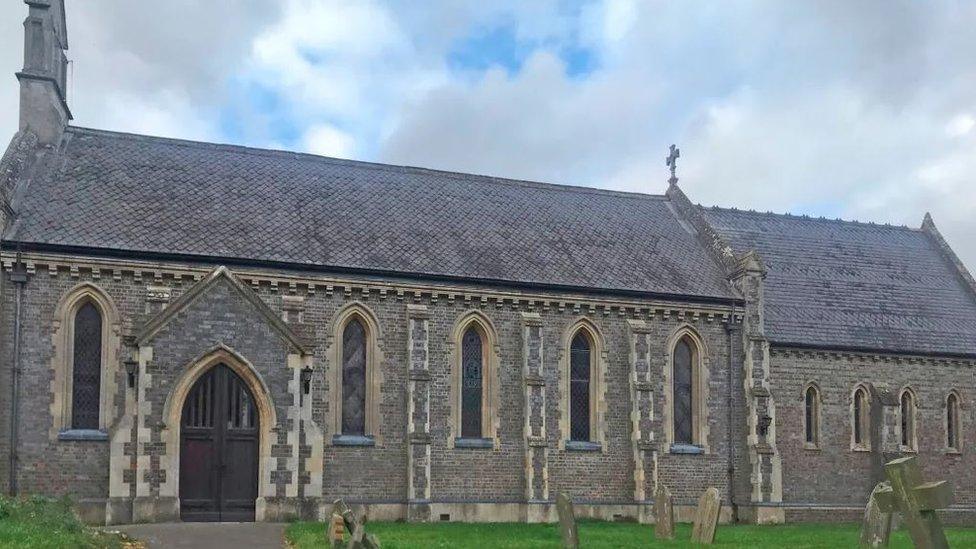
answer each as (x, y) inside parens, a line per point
(474, 443)
(83, 435)
(952, 452)
(907, 450)
(688, 449)
(352, 440)
(866, 449)
(583, 446)
(812, 447)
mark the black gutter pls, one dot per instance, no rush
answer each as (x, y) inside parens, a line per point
(338, 270)
(19, 277)
(870, 350)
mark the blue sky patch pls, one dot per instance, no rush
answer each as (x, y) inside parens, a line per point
(500, 47)
(488, 48)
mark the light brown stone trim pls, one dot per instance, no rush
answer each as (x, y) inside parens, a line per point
(958, 419)
(490, 383)
(156, 323)
(865, 419)
(879, 357)
(357, 310)
(912, 445)
(536, 444)
(180, 273)
(62, 357)
(173, 410)
(599, 365)
(700, 379)
(817, 414)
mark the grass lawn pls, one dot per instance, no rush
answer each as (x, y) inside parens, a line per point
(36, 522)
(605, 534)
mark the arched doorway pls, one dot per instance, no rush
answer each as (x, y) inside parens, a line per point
(219, 449)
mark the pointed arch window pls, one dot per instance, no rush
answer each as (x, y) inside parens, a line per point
(685, 395)
(952, 423)
(582, 391)
(581, 371)
(84, 364)
(811, 416)
(354, 378)
(860, 420)
(86, 367)
(474, 380)
(472, 383)
(907, 413)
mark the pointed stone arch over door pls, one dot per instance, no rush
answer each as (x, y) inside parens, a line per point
(219, 431)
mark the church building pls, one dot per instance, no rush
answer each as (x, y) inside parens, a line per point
(195, 331)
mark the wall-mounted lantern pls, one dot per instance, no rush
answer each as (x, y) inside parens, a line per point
(132, 371)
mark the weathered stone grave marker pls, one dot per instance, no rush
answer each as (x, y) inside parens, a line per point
(876, 526)
(359, 539)
(706, 517)
(663, 513)
(917, 501)
(567, 521)
(337, 528)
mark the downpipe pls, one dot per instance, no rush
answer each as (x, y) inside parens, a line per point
(19, 277)
(729, 330)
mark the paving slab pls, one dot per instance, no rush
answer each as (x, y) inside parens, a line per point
(207, 535)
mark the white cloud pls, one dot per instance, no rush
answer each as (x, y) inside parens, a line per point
(822, 108)
(960, 125)
(327, 140)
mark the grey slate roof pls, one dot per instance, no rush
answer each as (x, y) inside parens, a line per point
(125, 192)
(846, 284)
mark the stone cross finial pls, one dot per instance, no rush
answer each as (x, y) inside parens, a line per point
(916, 500)
(672, 162)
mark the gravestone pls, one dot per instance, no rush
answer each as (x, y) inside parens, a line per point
(663, 513)
(359, 539)
(706, 517)
(876, 526)
(567, 521)
(337, 528)
(917, 502)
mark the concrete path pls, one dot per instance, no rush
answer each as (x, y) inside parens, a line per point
(208, 535)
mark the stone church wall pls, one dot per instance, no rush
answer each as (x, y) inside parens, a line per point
(833, 482)
(462, 480)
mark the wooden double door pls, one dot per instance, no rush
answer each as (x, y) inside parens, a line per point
(219, 449)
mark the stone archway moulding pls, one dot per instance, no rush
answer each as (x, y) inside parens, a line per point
(173, 409)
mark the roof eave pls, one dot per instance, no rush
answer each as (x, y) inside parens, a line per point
(871, 350)
(26, 246)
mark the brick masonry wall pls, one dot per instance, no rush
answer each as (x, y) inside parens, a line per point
(835, 474)
(369, 474)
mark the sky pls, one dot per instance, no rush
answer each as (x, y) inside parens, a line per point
(847, 109)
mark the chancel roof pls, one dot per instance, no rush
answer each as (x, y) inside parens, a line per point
(837, 284)
(112, 191)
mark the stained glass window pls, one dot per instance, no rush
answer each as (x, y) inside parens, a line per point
(472, 368)
(907, 420)
(952, 422)
(812, 415)
(860, 415)
(86, 367)
(580, 366)
(354, 378)
(684, 395)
